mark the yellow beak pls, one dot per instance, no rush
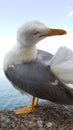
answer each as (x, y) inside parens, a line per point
(53, 32)
(56, 32)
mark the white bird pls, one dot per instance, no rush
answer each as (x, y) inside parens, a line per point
(27, 69)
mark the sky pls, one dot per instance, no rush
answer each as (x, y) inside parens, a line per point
(53, 13)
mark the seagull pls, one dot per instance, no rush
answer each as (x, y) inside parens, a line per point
(28, 69)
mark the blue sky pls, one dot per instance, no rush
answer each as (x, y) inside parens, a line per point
(54, 13)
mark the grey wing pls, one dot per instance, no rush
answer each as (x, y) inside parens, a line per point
(36, 79)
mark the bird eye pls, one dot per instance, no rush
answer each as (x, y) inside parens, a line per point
(36, 33)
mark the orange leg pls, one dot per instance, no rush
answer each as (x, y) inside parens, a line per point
(28, 109)
(36, 102)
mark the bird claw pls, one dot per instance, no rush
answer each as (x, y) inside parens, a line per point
(26, 110)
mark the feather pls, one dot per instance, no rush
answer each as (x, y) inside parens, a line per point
(62, 65)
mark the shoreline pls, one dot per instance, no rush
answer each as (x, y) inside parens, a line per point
(47, 116)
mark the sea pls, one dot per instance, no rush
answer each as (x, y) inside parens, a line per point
(11, 98)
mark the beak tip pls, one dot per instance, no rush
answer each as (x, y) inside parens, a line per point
(63, 32)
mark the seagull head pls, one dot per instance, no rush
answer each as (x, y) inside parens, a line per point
(34, 31)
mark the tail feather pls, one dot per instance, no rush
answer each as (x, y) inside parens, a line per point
(62, 65)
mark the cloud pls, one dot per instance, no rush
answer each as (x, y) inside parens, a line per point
(52, 44)
(70, 13)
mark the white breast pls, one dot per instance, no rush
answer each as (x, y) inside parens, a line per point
(19, 54)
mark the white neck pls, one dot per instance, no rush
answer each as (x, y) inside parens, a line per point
(28, 53)
(19, 54)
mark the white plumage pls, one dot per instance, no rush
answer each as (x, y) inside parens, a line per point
(62, 65)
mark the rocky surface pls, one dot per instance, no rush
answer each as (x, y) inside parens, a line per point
(47, 116)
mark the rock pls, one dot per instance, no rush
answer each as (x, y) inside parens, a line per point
(49, 124)
(47, 116)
